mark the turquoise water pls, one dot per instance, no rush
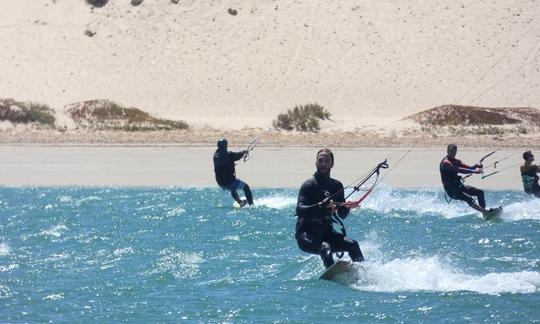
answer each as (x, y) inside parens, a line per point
(183, 254)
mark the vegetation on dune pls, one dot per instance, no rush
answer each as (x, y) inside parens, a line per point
(97, 3)
(108, 115)
(455, 115)
(463, 120)
(27, 113)
(302, 118)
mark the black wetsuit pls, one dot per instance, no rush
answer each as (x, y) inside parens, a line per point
(224, 166)
(314, 231)
(225, 172)
(449, 168)
(529, 176)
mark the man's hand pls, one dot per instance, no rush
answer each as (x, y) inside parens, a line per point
(350, 204)
(329, 204)
(478, 170)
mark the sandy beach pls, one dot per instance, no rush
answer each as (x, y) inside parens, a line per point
(370, 63)
(29, 165)
(228, 69)
(271, 138)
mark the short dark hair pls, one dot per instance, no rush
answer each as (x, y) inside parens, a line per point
(451, 147)
(326, 151)
(527, 154)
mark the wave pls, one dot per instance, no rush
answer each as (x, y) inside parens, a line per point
(431, 274)
(55, 231)
(179, 264)
(5, 292)
(4, 249)
(527, 209)
(276, 202)
(424, 273)
(429, 202)
(423, 202)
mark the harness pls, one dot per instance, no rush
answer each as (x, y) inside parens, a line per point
(455, 181)
(528, 182)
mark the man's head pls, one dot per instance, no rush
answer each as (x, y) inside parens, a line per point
(324, 161)
(528, 156)
(451, 150)
(222, 143)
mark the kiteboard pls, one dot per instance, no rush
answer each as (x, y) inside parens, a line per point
(493, 213)
(236, 205)
(335, 269)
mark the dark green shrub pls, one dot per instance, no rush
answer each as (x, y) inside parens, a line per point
(97, 3)
(26, 113)
(108, 115)
(522, 130)
(487, 130)
(455, 115)
(302, 118)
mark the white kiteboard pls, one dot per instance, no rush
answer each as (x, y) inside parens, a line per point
(236, 205)
(493, 213)
(335, 269)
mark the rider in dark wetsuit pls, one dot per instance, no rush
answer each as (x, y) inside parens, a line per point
(314, 232)
(452, 182)
(529, 175)
(226, 174)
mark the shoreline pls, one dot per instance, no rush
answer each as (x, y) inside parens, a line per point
(269, 138)
(30, 165)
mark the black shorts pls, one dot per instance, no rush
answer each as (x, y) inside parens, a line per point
(312, 243)
(464, 193)
(534, 190)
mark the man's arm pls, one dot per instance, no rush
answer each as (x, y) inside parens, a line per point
(235, 156)
(472, 167)
(462, 168)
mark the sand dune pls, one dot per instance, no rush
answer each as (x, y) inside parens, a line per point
(367, 62)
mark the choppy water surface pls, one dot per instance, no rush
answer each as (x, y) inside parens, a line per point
(183, 254)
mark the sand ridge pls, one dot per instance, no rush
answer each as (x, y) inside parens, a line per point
(367, 62)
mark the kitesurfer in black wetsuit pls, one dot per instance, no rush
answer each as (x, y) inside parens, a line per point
(529, 175)
(452, 182)
(320, 197)
(224, 169)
